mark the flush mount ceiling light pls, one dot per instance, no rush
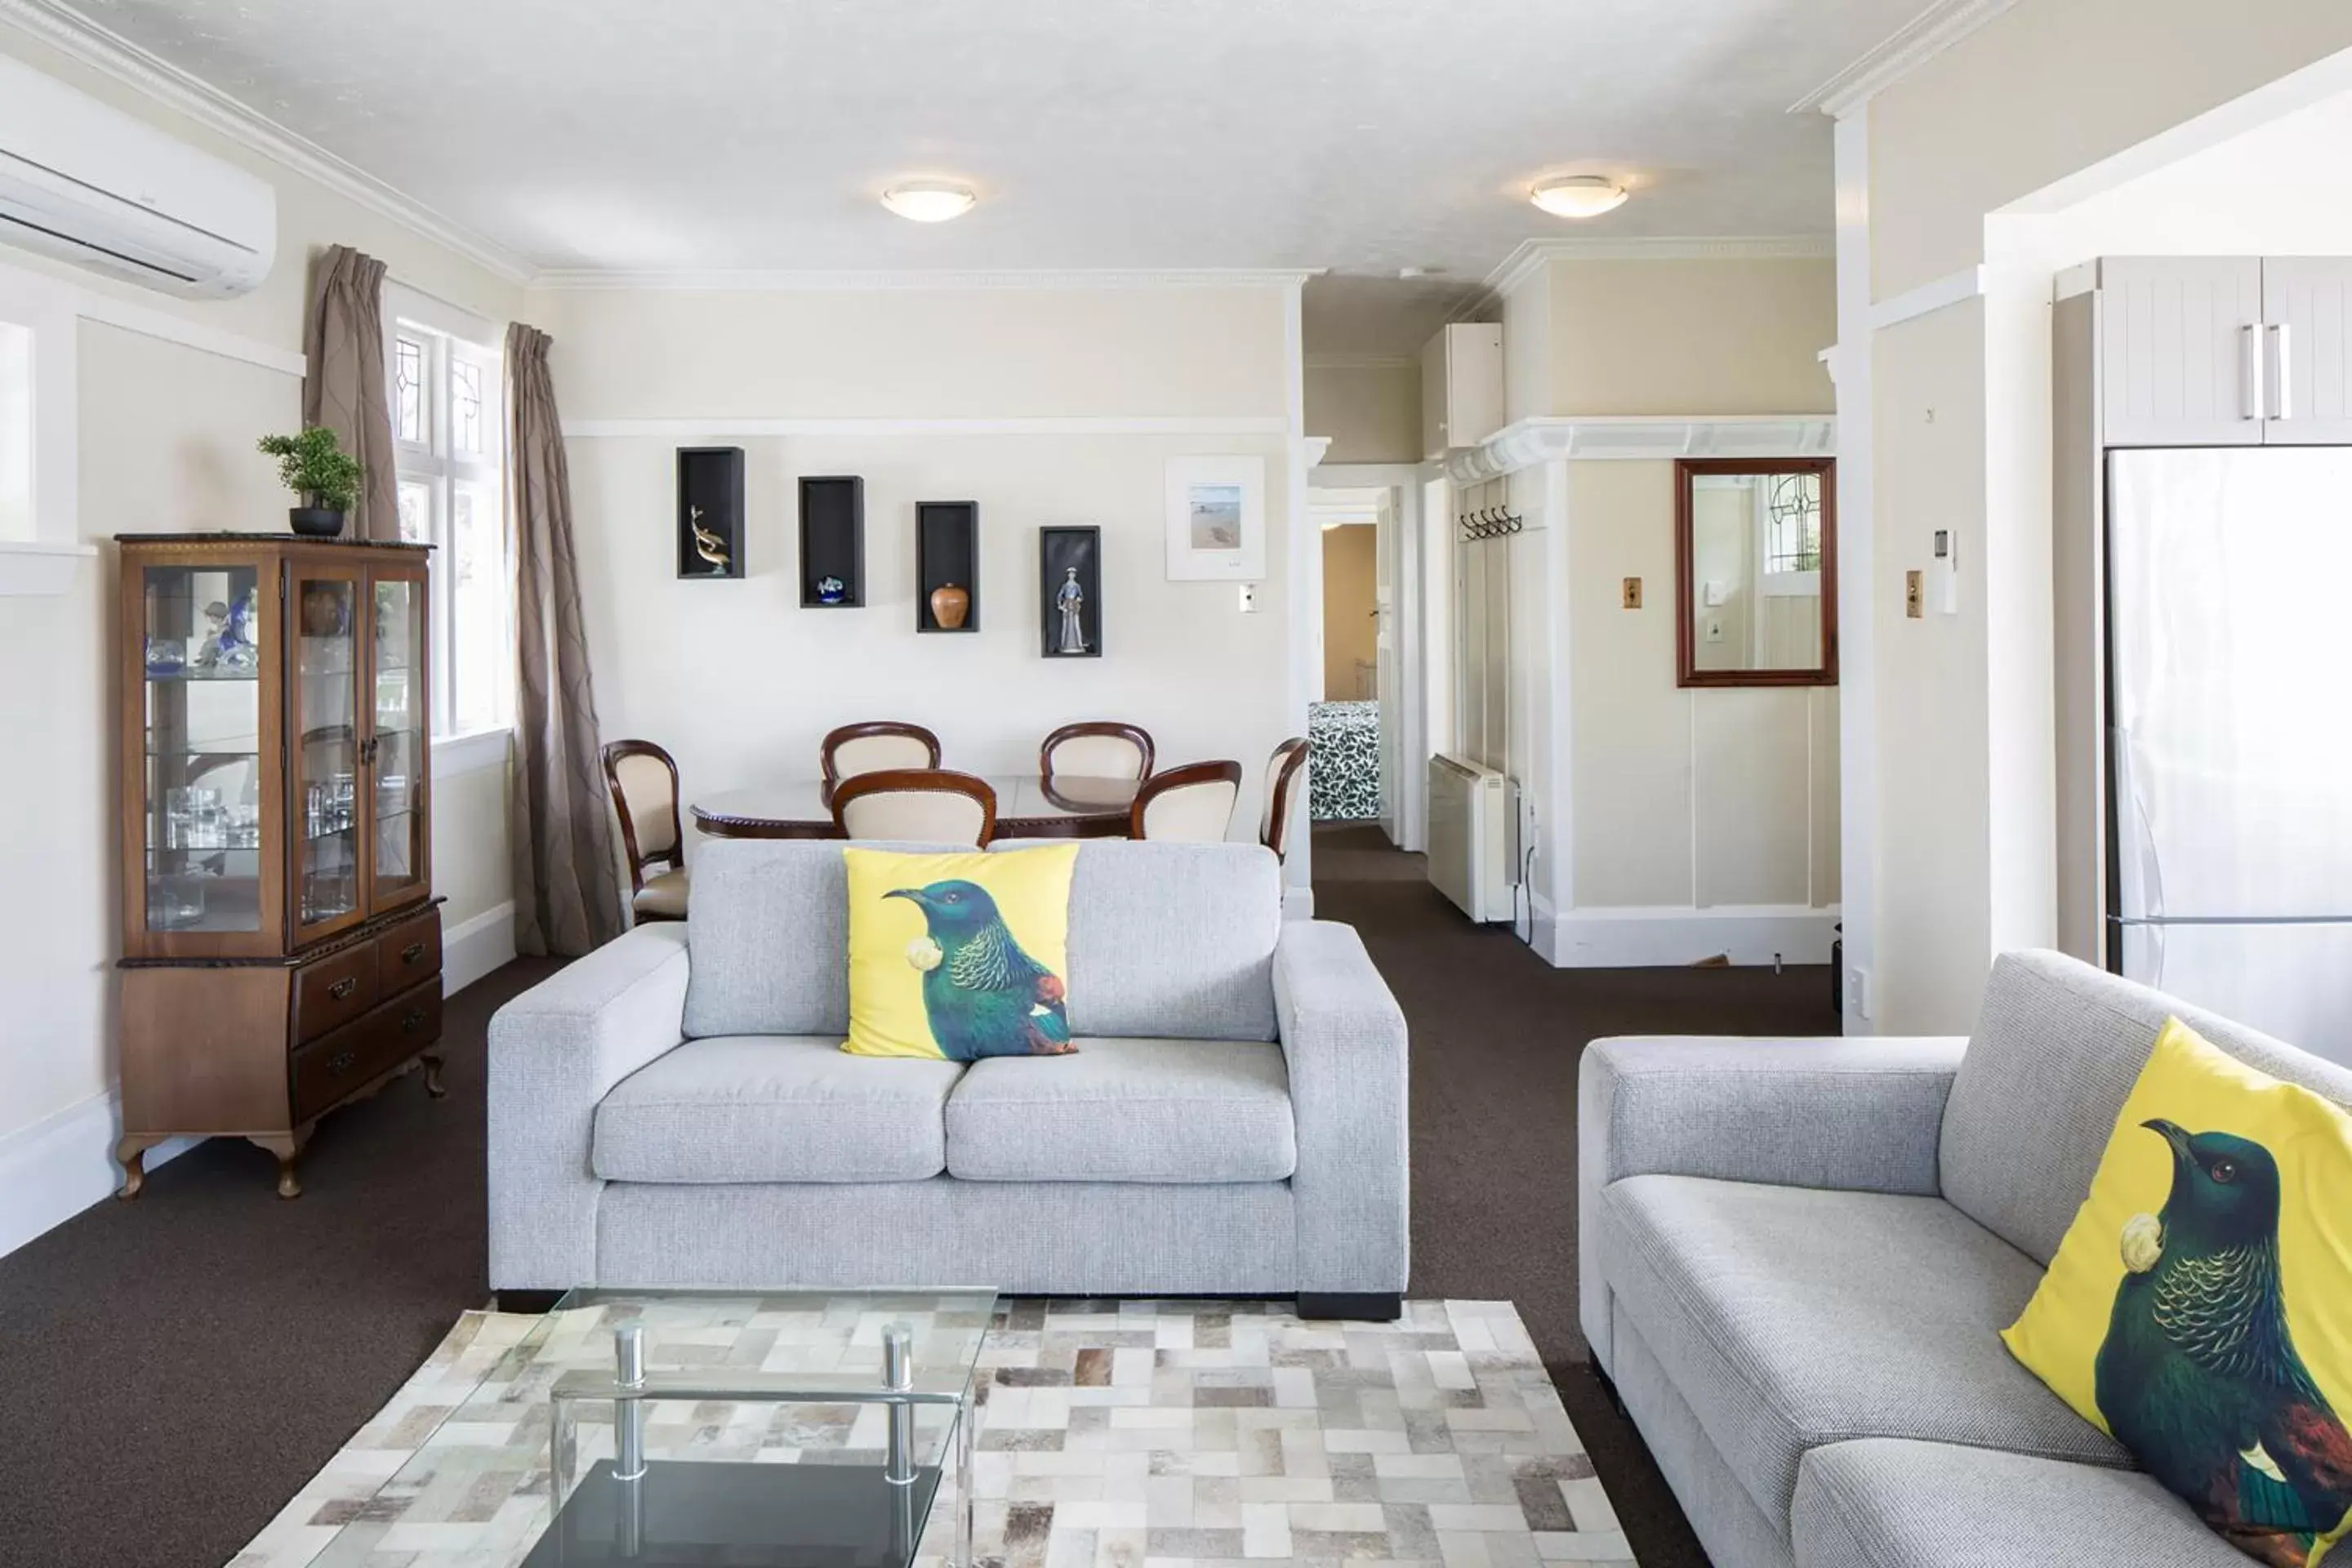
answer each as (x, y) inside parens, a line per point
(1579, 195)
(930, 201)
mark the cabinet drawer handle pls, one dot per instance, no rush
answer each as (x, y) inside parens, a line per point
(343, 987)
(341, 1063)
(413, 1022)
(412, 953)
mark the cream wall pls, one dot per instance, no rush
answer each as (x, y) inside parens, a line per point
(1977, 156)
(165, 442)
(1350, 598)
(1674, 824)
(741, 683)
(1369, 413)
(1733, 335)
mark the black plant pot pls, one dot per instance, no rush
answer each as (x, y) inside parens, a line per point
(316, 521)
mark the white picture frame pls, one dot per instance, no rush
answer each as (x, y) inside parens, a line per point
(1216, 519)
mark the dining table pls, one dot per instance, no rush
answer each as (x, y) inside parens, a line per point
(1028, 805)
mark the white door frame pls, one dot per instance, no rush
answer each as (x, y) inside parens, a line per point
(1401, 543)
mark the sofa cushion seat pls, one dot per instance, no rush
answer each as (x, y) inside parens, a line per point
(1126, 1110)
(1888, 1503)
(1797, 1317)
(774, 1107)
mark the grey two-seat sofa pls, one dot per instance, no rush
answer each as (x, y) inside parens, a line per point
(674, 1109)
(1797, 1256)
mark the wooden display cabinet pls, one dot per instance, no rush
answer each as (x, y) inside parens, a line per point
(281, 944)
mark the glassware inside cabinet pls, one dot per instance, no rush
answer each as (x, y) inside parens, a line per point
(327, 752)
(398, 756)
(200, 642)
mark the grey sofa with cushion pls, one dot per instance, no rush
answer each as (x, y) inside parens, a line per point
(1797, 1256)
(674, 1108)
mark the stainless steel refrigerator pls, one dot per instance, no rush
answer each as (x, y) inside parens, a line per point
(2230, 692)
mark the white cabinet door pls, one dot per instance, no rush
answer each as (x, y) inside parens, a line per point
(2307, 309)
(2181, 354)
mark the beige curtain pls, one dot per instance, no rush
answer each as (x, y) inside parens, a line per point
(344, 387)
(567, 891)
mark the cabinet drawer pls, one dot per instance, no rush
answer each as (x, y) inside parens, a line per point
(327, 1070)
(409, 954)
(333, 991)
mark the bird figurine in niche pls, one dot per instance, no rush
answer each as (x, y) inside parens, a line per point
(2198, 1376)
(982, 995)
(708, 542)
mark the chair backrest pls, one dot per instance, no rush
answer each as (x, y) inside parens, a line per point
(644, 782)
(1098, 749)
(915, 806)
(874, 748)
(1281, 775)
(1192, 804)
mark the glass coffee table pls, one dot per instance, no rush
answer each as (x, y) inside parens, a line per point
(753, 1429)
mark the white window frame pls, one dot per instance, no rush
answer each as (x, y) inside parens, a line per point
(41, 543)
(448, 335)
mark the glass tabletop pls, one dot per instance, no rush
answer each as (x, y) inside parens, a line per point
(1019, 797)
(763, 1413)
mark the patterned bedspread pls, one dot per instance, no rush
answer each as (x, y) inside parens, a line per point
(1343, 771)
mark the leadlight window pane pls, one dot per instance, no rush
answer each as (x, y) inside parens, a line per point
(1794, 517)
(408, 382)
(466, 403)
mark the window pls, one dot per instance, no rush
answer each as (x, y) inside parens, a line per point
(447, 380)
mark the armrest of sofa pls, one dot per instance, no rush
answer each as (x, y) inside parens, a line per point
(555, 1052)
(1860, 1114)
(1343, 1038)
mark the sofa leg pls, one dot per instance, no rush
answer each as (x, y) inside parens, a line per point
(1372, 1308)
(533, 1303)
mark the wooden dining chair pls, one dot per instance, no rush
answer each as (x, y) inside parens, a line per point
(643, 781)
(880, 747)
(915, 806)
(1281, 777)
(1193, 803)
(1097, 749)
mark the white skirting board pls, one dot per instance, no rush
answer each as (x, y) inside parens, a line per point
(62, 1164)
(1669, 937)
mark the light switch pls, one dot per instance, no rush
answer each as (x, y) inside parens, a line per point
(1249, 597)
(1914, 595)
(1632, 593)
(1714, 629)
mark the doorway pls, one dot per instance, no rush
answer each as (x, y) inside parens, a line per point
(1368, 728)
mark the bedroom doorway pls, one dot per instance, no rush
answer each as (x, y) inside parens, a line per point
(1368, 737)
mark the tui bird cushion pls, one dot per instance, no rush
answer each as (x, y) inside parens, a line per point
(961, 956)
(2199, 1308)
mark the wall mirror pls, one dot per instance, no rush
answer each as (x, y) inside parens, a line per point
(1756, 571)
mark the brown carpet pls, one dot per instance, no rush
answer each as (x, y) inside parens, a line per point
(177, 1367)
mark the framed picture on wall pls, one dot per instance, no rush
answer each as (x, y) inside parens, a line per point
(1216, 519)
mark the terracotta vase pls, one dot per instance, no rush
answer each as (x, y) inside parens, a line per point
(950, 606)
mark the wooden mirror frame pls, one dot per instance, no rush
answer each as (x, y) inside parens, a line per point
(1686, 670)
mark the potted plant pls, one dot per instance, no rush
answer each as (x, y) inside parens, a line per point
(314, 465)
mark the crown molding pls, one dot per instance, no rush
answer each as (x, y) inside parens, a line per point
(71, 34)
(1532, 254)
(1911, 45)
(1360, 362)
(756, 281)
(1642, 438)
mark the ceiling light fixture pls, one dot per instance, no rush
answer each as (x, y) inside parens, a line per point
(1579, 195)
(930, 201)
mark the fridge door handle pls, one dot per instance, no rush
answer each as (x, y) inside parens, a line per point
(2251, 371)
(2281, 371)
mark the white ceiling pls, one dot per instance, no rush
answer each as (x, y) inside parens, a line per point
(1359, 136)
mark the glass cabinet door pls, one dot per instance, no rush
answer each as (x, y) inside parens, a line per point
(324, 716)
(201, 628)
(399, 769)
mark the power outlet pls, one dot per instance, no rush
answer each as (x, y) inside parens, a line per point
(1857, 992)
(1632, 593)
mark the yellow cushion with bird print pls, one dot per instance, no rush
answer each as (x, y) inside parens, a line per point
(2199, 1308)
(962, 955)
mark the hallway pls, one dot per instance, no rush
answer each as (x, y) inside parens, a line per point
(1495, 1037)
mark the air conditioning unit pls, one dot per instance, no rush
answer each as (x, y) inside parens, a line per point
(97, 187)
(1470, 838)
